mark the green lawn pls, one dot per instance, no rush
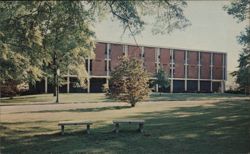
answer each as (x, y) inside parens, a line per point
(175, 123)
(100, 97)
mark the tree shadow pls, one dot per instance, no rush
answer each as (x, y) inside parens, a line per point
(80, 109)
(191, 96)
(223, 127)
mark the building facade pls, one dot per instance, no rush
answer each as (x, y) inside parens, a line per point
(188, 70)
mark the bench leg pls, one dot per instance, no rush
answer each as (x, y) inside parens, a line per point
(141, 127)
(88, 129)
(117, 128)
(62, 129)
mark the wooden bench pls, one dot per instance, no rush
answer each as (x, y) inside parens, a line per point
(64, 123)
(128, 121)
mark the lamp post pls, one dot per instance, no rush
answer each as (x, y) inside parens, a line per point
(57, 85)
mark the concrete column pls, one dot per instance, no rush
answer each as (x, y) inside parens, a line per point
(211, 71)
(172, 73)
(68, 82)
(157, 51)
(126, 50)
(199, 71)
(88, 88)
(142, 53)
(107, 81)
(89, 74)
(186, 64)
(46, 85)
(222, 86)
(157, 88)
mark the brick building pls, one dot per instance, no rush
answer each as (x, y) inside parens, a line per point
(189, 70)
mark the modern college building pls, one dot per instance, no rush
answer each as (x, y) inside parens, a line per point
(189, 70)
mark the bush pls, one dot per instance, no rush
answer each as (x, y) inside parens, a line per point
(129, 82)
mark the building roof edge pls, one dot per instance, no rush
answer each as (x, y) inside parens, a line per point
(144, 45)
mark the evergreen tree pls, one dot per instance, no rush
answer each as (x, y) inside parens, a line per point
(161, 79)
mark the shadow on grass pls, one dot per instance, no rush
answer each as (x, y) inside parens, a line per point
(191, 96)
(80, 110)
(221, 128)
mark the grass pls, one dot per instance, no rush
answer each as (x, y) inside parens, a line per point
(175, 123)
(100, 97)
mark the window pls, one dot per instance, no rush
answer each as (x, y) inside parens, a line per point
(188, 55)
(197, 58)
(173, 56)
(172, 70)
(105, 66)
(86, 64)
(201, 72)
(106, 49)
(109, 65)
(90, 68)
(212, 60)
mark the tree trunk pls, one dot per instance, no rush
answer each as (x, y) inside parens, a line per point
(54, 84)
(132, 102)
(54, 76)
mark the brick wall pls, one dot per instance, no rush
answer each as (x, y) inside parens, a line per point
(192, 64)
(98, 64)
(218, 63)
(116, 53)
(165, 59)
(205, 65)
(134, 51)
(179, 64)
(149, 60)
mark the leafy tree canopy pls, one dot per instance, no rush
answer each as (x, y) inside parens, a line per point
(240, 9)
(161, 79)
(129, 82)
(38, 37)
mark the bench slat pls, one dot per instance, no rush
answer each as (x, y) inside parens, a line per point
(75, 123)
(128, 121)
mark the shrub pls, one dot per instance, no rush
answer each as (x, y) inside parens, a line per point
(129, 82)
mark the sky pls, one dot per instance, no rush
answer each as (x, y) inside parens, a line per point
(212, 29)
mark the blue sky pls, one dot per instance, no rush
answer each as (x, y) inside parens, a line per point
(212, 29)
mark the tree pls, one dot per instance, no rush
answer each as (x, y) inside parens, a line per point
(129, 82)
(161, 79)
(47, 35)
(51, 35)
(240, 9)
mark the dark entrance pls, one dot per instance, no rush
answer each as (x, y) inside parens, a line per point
(96, 85)
(192, 86)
